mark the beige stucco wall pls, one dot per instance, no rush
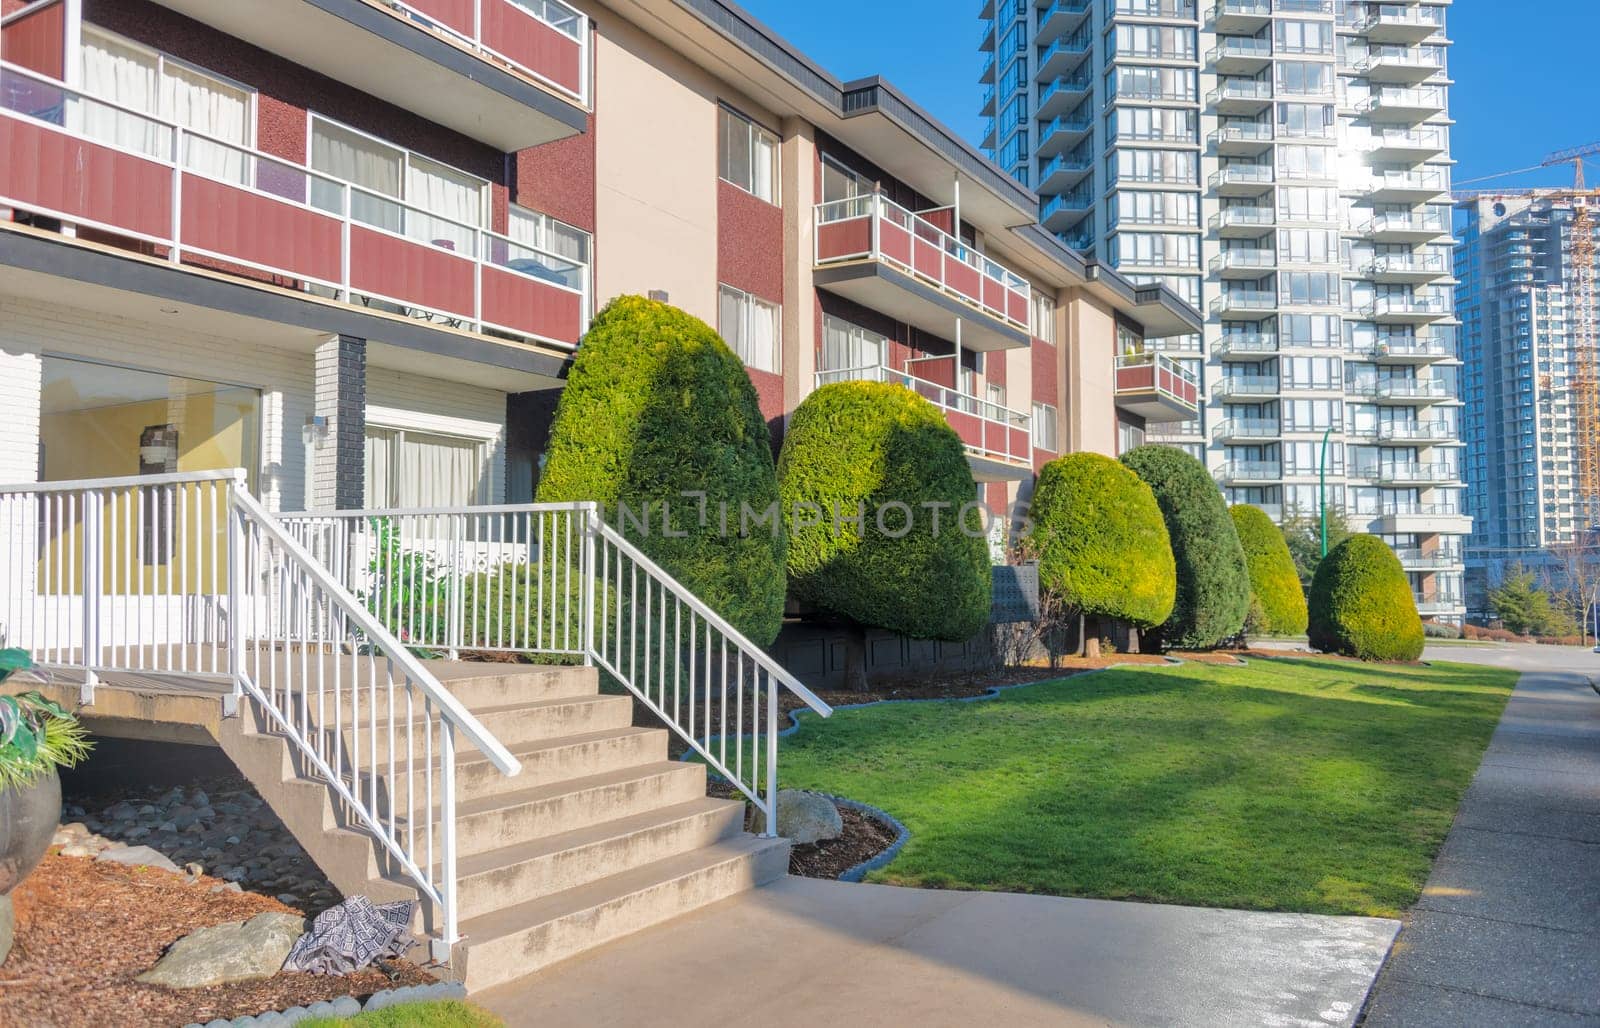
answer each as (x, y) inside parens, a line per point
(1089, 419)
(656, 170)
(799, 186)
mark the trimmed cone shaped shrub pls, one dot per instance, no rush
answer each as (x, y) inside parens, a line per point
(1361, 603)
(1274, 582)
(1213, 584)
(860, 461)
(1102, 545)
(656, 406)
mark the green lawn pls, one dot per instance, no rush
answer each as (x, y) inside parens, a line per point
(1291, 784)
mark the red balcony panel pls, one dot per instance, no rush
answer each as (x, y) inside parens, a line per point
(514, 33)
(84, 180)
(456, 15)
(250, 227)
(843, 239)
(1017, 307)
(523, 304)
(1021, 442)
(928, 259)
(968, 426)
(994, 296)
(410, 272)
(963, 278)
(1139, 377)
(38, 41)
(894, 242)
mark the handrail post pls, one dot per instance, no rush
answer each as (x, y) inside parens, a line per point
(455, 619)
(450, 934)
(93, 560)
(771, 825)
(236, 601)
(589, 515)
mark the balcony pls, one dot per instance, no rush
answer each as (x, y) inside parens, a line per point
(1242, 180)
(1155, 387)
(1064, 171)
(1400, 391)
(1063, 56)
(1405, 228)
(1432, 605)
(1403, 105)
(1241, 96)
(1243, 222)
(1412, 269)
(1062, 17)
(1407, 186)
(1401, 23)
(1245, 345)
(992, 434)
(1413, 310)
(1401, 65)
(1413, 559)
(1246, 429)
(1060, 213)
(1059, 135)
(1402, 350)
(1409, 145)
(186, 197)
(1421, 519)
(1240, 17)
(1235, 471)
(1239, 56)
(1062, 96)
(1251, 302)
(1231, 386)
(1417, 433)
(1242, 139)
(1404, 474)
(883, 256)
(509, 73)
(1243, 264)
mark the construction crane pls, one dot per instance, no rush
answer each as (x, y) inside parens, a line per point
(1585, 380)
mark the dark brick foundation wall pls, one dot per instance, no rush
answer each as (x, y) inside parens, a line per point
(350, 425)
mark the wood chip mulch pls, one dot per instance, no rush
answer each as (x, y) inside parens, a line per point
(86, 929)
(864, 838)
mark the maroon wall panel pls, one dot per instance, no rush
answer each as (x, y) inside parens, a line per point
(455, 14)
(845, 238)
(769, 391)
(527, 305)
(84, 180)
(38, 42)
(749, 243)
(514, 33)
(1044, 372)
(558, 178)
(251, 227)
(410, 272)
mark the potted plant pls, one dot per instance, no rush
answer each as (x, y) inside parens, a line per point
(37, 736)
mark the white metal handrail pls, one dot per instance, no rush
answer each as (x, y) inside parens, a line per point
(58, 108)
(188, 576)
(560, 17)
(556, 579)
(949, 399)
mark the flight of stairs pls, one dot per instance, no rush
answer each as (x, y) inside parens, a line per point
(599, 836)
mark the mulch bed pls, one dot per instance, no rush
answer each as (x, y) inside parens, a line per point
(86, 929)
(864, 838)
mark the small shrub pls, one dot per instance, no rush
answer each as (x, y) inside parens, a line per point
(1102, 545)
(854, 447)
(1435, 630)
(656, 407)
(1274, 581)
(1213, 594)
(1361, 603)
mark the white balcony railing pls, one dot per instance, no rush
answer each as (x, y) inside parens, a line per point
(546, 40)
(186, 194)
(986, 428)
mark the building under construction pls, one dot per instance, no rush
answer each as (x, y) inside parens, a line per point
(1525, 267)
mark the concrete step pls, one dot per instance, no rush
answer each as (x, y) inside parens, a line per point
(527, 937)
(514, 726)
(529, 870)
(494, 822)
(477, 690)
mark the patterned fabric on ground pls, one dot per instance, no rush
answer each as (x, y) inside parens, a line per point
(348, 937)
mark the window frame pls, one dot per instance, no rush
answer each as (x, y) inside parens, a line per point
(748, 303)
(251, 93)
(485, 197)
(755, 131)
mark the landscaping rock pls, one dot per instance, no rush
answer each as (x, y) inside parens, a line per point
(137, 856)
(240, 951)
(8, 926)
(805, 817)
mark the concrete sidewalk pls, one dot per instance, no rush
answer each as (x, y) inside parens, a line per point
(1508, 928)
(820, 953)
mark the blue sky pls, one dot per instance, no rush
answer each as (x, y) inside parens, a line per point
(1525, 78)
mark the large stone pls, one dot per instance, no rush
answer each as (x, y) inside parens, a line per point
(8, 927)
(805, 817)
(137, 856)
(241, 951)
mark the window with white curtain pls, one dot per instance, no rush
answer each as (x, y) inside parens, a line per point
(408, 468)
(751, 327)
(451, 202)
(567, 247)
(847, 347)
(152, 83)
(1045, 428)
(747, 155)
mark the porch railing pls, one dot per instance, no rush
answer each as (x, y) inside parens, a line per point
(187, 576)
(557, 580)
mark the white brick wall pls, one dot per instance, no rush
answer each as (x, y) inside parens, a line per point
(451, 408)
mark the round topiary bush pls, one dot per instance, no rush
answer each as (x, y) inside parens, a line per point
(657, 406)
(1213, 584)
(1101, 543)
(861, 464)
(1361, 603)
(1274, 582)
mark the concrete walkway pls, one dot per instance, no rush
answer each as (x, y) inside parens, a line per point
(819, 953)
(1508, 928)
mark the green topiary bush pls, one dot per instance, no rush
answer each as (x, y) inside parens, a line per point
(657, 406)
(1101, 542)
(1213, 584)
(1361, 603)
(1274, 582)
(857, 446)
